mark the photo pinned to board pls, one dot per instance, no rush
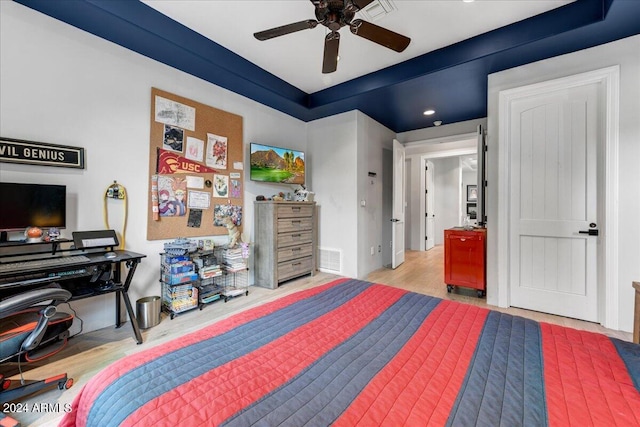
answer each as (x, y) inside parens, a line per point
(172, 192)
(220, 185)
(194, 149)
(217, 151)
(236, 189)
(173, 138)
(221, 211)
(174, 113)
(195, 218)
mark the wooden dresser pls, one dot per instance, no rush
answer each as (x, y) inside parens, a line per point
(285, 236)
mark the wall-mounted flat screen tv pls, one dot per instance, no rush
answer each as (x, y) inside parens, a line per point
(275, 164)
(32, 205)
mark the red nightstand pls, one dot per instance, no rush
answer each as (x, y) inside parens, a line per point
(464, 259)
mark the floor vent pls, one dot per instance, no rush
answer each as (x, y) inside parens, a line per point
(330, 260)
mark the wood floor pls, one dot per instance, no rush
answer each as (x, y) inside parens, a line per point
(422, 272)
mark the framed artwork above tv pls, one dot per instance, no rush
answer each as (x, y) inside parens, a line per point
(276, 164)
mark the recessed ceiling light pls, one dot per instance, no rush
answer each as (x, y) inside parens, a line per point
(429, 112)
(468, 1)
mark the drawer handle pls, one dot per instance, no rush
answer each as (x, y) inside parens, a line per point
(296, 263)
(295, 236)
(463, 240)
(296, 221)
(296, 249)
(295, 208)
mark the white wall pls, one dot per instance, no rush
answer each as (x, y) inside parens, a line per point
(446, 179)
(440, 133)
(626, 54)
(373, 139)
(333, 149)
(64, 86)
(344, 149)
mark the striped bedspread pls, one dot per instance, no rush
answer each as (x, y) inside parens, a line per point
(356, 353)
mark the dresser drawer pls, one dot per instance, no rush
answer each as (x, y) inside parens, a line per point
(298, 267)
(290, 225)
(294, 211)
(296, 238)
(464, 236)
(294, 252)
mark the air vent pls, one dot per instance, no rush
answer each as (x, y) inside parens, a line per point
(378, 9)
(330, 260)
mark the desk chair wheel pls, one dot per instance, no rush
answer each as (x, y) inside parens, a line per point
(65, 384)
(4, 384)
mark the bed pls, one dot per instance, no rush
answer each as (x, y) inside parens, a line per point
(353, 352)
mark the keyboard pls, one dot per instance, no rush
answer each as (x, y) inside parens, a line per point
(42, 263)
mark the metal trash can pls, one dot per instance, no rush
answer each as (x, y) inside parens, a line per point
(148, 312)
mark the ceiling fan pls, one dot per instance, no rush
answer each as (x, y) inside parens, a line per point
(335, 14)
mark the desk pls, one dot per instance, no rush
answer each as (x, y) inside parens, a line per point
(94, 275)
(636, 314)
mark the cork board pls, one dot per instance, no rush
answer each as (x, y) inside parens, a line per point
(195, 168)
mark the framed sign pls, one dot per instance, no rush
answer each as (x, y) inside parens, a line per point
(40, 153)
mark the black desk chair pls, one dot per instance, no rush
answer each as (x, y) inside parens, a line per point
(31, 331)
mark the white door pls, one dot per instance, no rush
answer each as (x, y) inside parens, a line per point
(397, 220)
(554, 202)
(430, 214)
(481, 178)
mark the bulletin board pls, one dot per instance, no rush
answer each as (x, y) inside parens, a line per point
(195, 168)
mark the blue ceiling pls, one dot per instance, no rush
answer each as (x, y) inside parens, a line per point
(453, 80)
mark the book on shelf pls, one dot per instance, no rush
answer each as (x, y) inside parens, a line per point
(210, 271)
(178, 267)
(170, 259)
(174, 279)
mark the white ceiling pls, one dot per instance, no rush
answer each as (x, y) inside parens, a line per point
(297, 57)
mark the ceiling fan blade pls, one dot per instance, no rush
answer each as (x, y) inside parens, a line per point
(382, 36)
(331, 45)
(285, 29)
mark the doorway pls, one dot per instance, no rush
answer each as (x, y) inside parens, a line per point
(448, 206)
